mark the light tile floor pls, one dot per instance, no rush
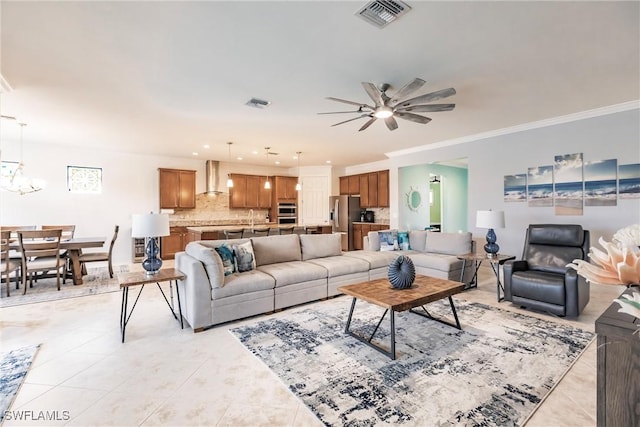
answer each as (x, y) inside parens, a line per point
(163, 375)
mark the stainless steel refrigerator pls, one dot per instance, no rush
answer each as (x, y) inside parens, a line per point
(344, 211)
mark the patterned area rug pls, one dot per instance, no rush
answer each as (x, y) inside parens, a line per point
(495, 371)
(97, 281)
(14, 366)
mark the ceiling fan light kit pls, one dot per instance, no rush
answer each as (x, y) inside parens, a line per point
(399, 105)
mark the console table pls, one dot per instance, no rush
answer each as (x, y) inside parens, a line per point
(618, 368)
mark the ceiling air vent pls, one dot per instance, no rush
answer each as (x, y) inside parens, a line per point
(258, 103)
(383, 12)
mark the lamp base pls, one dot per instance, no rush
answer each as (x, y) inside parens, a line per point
(152, 263)
(491, 248)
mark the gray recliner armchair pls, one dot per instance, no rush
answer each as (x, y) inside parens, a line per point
(541, 280)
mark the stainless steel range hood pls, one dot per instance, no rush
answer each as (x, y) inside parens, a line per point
(212, 176)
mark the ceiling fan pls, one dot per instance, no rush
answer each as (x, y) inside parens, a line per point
(389, 108)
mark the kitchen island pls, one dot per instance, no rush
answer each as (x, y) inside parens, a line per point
(215, 232)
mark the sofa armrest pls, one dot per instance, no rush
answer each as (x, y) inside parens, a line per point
(508, 269)
(365, 243)
(195, 292)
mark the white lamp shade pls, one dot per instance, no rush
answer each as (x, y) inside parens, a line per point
(150, 225)
(490, 219)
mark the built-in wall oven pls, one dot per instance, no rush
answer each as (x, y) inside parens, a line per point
(287, 213)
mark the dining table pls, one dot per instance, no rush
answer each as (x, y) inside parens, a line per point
(74, 247)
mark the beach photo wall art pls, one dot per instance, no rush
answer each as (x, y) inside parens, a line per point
(572, 183)
(568, 184)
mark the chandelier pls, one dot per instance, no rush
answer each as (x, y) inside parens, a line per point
(14, 179)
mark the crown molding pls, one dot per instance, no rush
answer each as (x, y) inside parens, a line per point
(603, 111)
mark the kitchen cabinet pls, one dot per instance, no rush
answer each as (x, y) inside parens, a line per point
(373, 188)
(248, 192)
(284, 189)
(361, 229)
(194, 236)
(344, 185)
(177, 189)
(383, 189)
(174, 242)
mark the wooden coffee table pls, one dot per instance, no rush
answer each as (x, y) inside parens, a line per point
(424, 290)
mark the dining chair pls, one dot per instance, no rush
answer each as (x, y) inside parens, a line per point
(14, 254)
(231, 234)
(285, 230)
(67, 234)
(8, 265)
(101, 256)
(40, 252)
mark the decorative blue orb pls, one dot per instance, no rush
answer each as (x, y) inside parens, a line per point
(402, 272)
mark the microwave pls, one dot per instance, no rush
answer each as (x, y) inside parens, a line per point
(286, 209)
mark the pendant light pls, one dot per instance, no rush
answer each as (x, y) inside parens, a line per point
(229, 180)
(17, 182)
(298, 185)
(267, 184)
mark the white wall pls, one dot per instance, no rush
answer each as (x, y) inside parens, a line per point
(615, 135)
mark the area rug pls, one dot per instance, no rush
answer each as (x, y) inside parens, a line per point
(492, 373)
(14, 366)
(97, 281)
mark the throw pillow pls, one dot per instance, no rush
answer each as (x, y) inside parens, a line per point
(403, 240)
(228, 260)
(245, 260)
(388, 240)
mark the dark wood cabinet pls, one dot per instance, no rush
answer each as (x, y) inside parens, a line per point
(284, 189)
(618, 378)
(248, 192)
(354, 184)
(383, 188)
(372, 187)
(174, 242)
(194, 236)
(177, 189)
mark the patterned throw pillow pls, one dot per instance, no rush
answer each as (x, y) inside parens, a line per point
(245, 260)
(388, 240)
(403, 240)
(228, 260)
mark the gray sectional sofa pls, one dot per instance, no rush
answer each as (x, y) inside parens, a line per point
(290, 270)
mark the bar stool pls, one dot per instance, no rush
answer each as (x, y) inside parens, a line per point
(311, 230)
(285, 230)
(233, 234)
(260, 232)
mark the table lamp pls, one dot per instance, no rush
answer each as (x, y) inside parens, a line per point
(490, 219)
(151, 227)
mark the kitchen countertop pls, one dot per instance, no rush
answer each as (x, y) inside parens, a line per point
(238, 227)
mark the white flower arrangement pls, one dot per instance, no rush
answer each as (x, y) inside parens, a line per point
(619, 264)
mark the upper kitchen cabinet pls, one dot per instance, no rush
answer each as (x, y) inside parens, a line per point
(373, 188)
(177, 189)
(344, 185)
(284, 189)
(383, 189)
(248, 192)
(354, 184)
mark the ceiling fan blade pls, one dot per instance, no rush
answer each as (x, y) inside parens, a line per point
(373, 93)
(391, 123)
(342, 112)
(350, 120)
(427, 108)
(412, 117)
(429, 97)
(366, 125)
(359, 104)
(407, 89)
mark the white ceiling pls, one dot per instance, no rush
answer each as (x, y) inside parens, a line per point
(170, 77)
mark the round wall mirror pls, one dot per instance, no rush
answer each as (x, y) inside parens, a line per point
(414, 199)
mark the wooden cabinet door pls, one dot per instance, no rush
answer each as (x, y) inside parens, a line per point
(354, 184)
(238, 193)
(169, 185)
(364, 192)
(383, 189)
(173, 243)
(264, 196)
(357, 237)
(344, 185)
(372, 179)
(291, 183)
(254, 182)
(187, 190)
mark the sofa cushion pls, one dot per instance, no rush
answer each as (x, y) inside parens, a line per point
(375, 259)
(245, 258)
(448, 243)
(211, 260)
(341, 265)
(320, 245)
(287, 273)
(275, 249)
(238, 284)
(436, 261)
(228, 259)
(418, 240)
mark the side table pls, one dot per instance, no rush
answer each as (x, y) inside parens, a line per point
(496, 261)
(127, 280)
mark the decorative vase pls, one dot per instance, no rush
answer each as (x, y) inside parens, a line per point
(402, 272)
